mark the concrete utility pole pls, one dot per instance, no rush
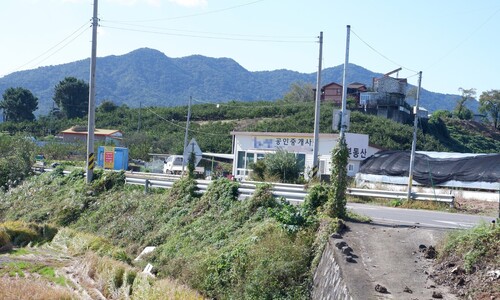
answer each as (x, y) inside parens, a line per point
(317, 109)
(414, 142)
(186, 133)
(91, 113)
(343, 125)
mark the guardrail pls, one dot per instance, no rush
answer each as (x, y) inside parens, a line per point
(402, 195)
(293, 193)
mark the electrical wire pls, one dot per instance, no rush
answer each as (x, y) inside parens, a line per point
(259, 106)
(463, 41)
(205, 37)
(53, 47)
(207, 32)
(193, 15)
(180, 126)
(379, 53)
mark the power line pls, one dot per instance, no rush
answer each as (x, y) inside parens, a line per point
(208, 32)
(205, 37)
(180, 126)
(379, 53)
(53, 47)
(194, 15)
(259, 106)
(463, 41)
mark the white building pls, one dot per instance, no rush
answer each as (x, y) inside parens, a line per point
(248, 147)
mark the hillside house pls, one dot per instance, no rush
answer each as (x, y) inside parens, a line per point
(332, 92)
(388, 99)
(79, 133)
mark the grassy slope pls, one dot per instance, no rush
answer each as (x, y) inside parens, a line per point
(220, 246)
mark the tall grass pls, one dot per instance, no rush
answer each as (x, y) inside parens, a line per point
(23, 288)
(478, 247)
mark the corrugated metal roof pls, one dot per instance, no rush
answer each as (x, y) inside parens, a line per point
(97, 131)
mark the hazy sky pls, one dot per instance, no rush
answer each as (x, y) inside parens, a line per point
(454, 42)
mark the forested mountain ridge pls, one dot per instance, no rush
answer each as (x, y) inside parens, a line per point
(149, 77)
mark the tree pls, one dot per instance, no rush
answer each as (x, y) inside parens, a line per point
(461, 111)
(300, 92)
(72, 97)
(19, 104)
(489, 102)
(107, 106)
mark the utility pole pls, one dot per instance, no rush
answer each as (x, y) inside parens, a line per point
(343, 125)
(91, 113)
(414, 142)
(186, 134)
(317, 109)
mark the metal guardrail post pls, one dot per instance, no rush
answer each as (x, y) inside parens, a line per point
(452, 203)
(146, 186)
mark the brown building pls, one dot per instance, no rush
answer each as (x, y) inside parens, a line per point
(79, 133)
(332, 92)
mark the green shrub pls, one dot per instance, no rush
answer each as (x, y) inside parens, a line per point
(478, 246)
(5, 244)
(21, 233)
(283, 165)
(317, 196)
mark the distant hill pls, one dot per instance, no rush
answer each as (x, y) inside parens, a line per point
(150, 77)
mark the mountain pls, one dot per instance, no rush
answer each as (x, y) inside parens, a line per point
(149, 77)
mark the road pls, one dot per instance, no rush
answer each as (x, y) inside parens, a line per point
(414, 217)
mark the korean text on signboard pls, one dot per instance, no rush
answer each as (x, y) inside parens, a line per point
(286, 143)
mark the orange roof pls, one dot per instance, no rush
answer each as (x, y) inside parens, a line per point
(104, 132)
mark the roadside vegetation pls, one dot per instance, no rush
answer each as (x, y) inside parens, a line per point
(469, 262)
(220, 246)
(162, 128)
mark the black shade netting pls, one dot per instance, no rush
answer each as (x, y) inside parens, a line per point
(430, 170)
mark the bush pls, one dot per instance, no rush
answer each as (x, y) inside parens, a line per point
(283, 165)
(16, 159)
(21, 233)
(5, 244)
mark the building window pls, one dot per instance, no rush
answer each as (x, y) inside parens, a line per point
(241, 159)
(301, 161)
(350, 167)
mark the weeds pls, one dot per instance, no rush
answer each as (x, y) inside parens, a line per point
(477, 247)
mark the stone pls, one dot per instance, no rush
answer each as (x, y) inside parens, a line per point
(340, 244)
(350, 259)
(335, 236)
(430, 253)
(346, 250)
(381, 289)
(495, 274)
(422, 248)
(458, 271)
(407, 290)
(437, 295)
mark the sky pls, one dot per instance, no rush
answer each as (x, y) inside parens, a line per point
(455, 43)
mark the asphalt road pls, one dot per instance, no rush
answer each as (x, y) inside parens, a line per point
(414, 217)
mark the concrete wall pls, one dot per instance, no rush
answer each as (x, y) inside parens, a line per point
(328, 282)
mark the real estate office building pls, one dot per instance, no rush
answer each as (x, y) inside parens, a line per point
(248, 147)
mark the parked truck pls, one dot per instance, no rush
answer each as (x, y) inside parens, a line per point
(173, 165)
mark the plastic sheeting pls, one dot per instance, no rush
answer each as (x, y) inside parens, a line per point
(431, 171)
